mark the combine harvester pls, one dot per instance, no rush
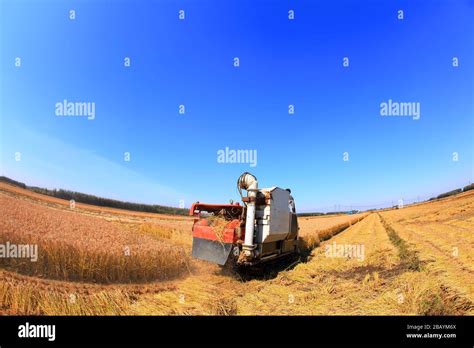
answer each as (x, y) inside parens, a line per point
(264, 228)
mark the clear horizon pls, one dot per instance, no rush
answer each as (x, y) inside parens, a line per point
(336, 207)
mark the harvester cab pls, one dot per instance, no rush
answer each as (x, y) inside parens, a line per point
(264, 228)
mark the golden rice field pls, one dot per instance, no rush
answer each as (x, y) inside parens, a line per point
(101, 261)
(73, 246)
(314, 230)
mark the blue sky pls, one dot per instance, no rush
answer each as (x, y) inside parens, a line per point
(282, 62)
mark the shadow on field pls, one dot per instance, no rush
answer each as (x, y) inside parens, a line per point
(265, 271)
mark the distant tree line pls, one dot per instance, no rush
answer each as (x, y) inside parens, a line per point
(310, 214)
(453, 192)
(468, 187)
(153, 208)
(449, 193)
(99, 201)
(12, 182)
(329, 213)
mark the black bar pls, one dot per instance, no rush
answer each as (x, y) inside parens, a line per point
(334, 330)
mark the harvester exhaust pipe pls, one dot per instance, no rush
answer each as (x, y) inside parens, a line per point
(249, 183)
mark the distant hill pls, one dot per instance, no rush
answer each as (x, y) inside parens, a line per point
(99, 201)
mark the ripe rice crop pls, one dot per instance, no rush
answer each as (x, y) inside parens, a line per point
(76, 247)
(315, 230)
(176, 235)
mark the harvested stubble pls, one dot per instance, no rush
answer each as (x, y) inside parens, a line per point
(24, 295)
(72, 246)
(379, 284)
(441, 232)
